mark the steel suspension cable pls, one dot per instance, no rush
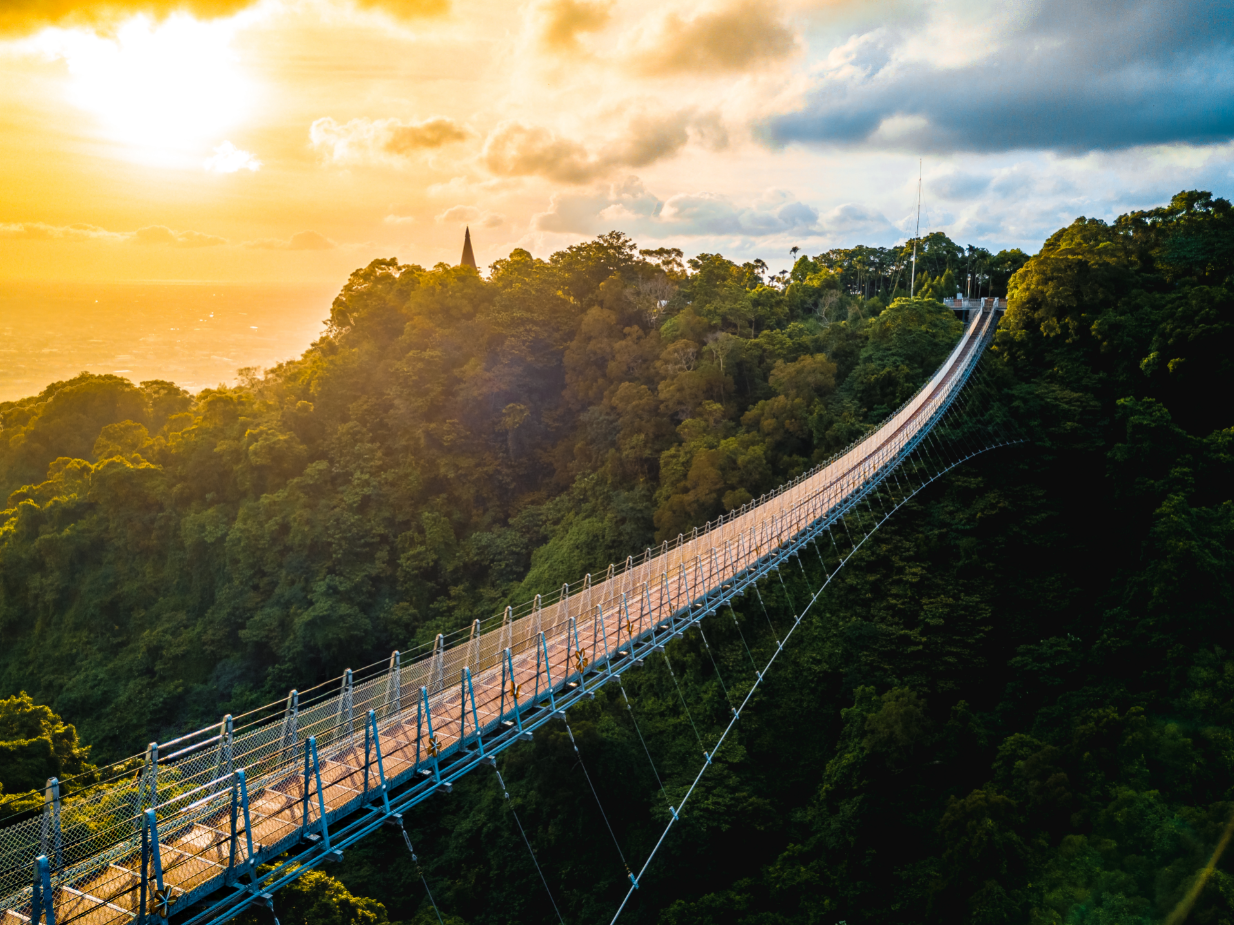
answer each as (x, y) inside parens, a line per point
(727, 729)
(803, 571)
(689, 715)
(766, 614)
(821, 560)
(646, 750)
(714, 665)
(743, 637)
(419, 870)
(791, 602)
(986, 375)
(530, 850)
(993, 422)
(594, 793)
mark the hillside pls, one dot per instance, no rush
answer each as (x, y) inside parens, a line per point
(1013, 705)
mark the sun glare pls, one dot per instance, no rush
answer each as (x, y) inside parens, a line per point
(167, 90)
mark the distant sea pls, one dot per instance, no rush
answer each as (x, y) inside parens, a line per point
(196, 335)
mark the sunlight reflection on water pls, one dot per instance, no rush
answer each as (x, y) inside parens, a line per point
(194, 334)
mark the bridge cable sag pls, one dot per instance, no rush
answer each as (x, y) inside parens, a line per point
(961, 425)
(644, 741)
(791, 603)
(743, 636)
(707, 764)
(689, 715)
(774, 655)
(603, 814)
(419, 870)
(527, 842)
(715, 665)
(774, 634)
(821, 561)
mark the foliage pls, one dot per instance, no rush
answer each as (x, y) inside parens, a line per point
(453, 443)
(942, 269)
(1012, 705)
(35, 745)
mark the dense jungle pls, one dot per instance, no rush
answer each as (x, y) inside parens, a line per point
(1013, 705)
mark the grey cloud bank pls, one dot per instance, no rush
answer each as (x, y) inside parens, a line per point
(1073, 77)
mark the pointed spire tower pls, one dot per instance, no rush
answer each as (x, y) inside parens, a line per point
(469, 258)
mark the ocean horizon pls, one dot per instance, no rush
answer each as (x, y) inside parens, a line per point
(196, 334)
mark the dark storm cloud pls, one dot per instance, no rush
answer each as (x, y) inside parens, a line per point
(1073, 77)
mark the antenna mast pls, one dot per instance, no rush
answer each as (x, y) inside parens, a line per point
(912, 286)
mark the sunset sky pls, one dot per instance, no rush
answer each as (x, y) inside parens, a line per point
(298, 139)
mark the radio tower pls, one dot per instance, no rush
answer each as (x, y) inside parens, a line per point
(912, 286)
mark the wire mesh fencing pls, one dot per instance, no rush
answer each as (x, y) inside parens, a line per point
(186, 793)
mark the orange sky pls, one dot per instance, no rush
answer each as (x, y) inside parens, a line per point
(298, 139)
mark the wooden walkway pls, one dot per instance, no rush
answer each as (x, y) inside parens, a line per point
(579, 634)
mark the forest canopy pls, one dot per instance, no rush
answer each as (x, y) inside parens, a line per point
(1012, 705)
(451, 444)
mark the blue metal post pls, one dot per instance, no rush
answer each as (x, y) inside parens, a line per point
(367, 741)
(508, 666)
(312, 773)
(148, 785)
(604, 635)
(231, 840)
(683, 578)
(291, 717)
(433, 748)
(548, 676)
(644, 604)
(536, 694)
(346, 705)
(467, 690)
(579, 655)
(501, 703)
(666, 597)
(419, 722)
(304, 806)
(321, 796)
(248, 824)
(144, 879)
(42, 905)
(223, 764)
(394, 685)
(52, 841)
(156, 860)
(381, 770)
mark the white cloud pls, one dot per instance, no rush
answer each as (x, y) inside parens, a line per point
(227, 158)
(161, 234)
(41, 231)
(629, 205)
(301, 241)
(471, 215)
(513, 149)
(377, 141)
(150, 234)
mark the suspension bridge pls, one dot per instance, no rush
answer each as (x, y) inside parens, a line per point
(181, 830)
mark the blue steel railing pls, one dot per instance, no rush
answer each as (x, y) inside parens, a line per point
(317, 830)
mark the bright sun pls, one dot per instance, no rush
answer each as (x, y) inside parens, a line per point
(168, 90)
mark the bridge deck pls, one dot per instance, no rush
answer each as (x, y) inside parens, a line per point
(551, 648)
